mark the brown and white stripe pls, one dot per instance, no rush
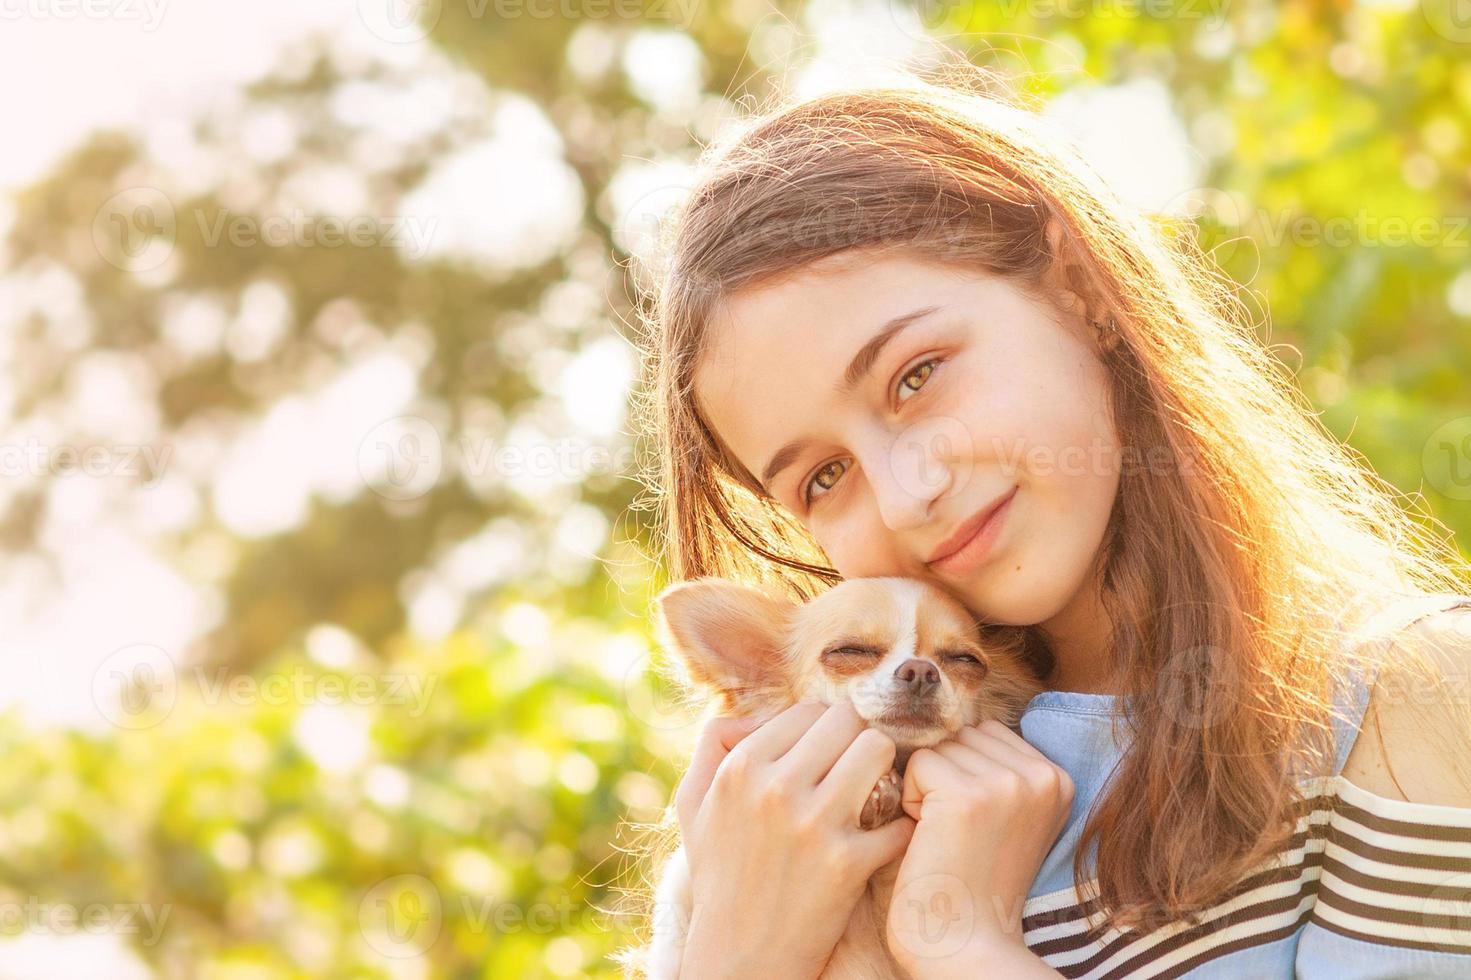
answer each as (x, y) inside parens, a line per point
(1361, 865)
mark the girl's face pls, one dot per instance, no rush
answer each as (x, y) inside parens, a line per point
(884, 400)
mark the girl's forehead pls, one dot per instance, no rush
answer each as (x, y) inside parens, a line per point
(817, 316)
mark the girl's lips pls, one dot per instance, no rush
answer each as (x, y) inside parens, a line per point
(974, 551)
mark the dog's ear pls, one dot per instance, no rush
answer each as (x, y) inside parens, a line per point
(729, 638)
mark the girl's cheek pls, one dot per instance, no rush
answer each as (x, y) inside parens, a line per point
(864, 545)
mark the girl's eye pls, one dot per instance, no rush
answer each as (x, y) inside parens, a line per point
(824, 478)
(816, 480)
(920, 371)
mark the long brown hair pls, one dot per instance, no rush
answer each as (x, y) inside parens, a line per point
(1244, 536)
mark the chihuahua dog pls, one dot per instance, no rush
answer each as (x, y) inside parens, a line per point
(907, 656)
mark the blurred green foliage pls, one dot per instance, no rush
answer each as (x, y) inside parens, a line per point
(479, 836)
(456, 813)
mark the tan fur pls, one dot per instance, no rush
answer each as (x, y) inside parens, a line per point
(757, 655)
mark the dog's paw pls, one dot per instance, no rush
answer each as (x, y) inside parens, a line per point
(883, 804)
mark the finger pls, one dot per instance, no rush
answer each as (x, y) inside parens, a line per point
(862, 764)
(965, 757)
(875, 848)
(926, 771)
(775, 738)
(717, 738)
(1007, 737)
(820, 747)
(989, 743)
(1037, 771)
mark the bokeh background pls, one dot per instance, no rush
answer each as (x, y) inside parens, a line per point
(327, 564)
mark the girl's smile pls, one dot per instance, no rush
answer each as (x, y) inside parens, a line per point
(977, 535)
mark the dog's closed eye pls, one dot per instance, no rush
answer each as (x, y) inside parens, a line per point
(849, 651)
(961, 657)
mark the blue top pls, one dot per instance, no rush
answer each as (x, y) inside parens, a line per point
(1373, 887)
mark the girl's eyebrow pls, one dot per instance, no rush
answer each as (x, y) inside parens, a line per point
(857, 370)
(868, 354)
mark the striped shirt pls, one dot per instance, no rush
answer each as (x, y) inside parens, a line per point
(1368, 887)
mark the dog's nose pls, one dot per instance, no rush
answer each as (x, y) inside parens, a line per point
(919, 675)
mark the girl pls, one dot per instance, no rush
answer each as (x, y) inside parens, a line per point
(908, 332)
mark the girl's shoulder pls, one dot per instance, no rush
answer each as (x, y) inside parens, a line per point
(1414, 740)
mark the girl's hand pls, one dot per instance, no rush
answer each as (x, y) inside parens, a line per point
(990, 807)
(770, 827)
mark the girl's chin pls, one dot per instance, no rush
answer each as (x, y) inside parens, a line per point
(1017, 598)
